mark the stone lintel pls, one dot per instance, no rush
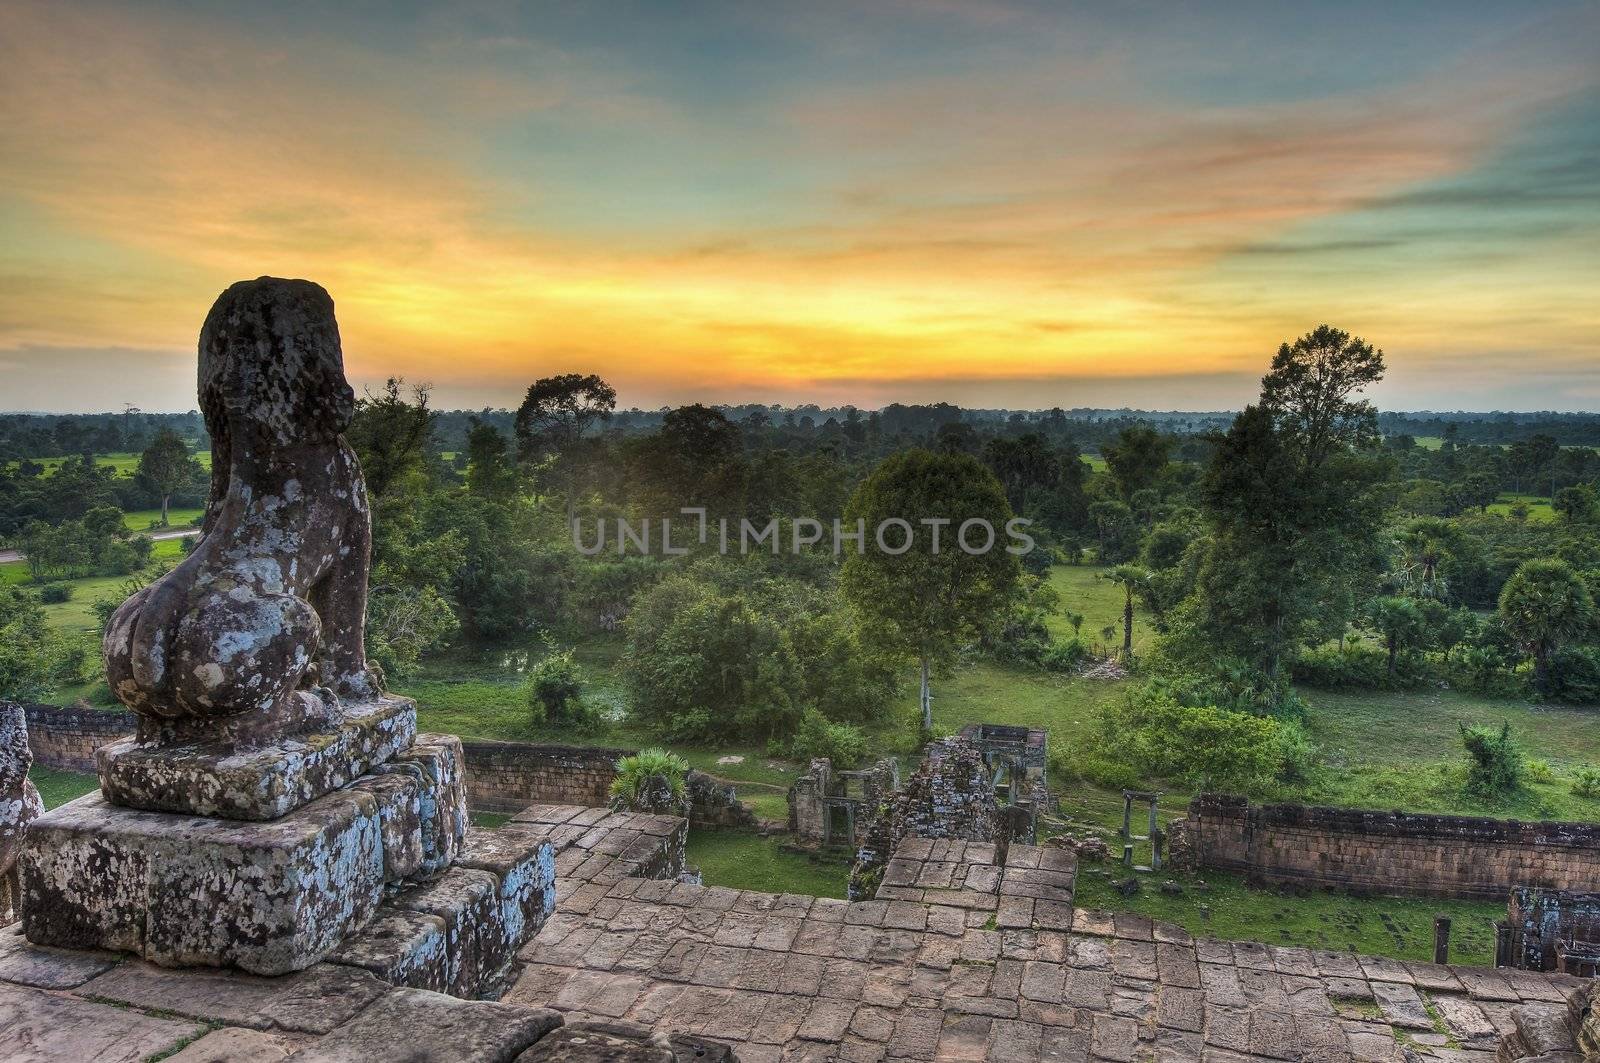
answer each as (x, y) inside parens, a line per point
(231, 781)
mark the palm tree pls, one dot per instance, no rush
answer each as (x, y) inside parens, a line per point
(1130, 578)
(1545, 604)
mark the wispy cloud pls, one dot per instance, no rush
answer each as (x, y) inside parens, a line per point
(1013, 195)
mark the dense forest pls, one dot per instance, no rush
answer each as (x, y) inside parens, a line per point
(1308, 540)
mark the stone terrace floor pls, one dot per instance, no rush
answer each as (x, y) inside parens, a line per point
(961, 959)
(958, 958)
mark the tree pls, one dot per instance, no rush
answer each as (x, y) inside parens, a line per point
(1544, 605)
(490, 470)
(554, 418)
(1311, 390)
(1399, 622)
(165, 466)
(1577, 504)
(390, 434)
(696, 459)
(1136, 458)
(1132, 579)
(923, 601)
(1291, 496)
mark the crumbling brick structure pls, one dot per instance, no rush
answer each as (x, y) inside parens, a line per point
(1550, 930)
(1385, 852)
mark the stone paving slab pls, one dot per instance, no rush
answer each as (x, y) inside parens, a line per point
(781, 977)
(40, 1026)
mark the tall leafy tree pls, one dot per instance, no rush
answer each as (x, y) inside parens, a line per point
(554, 419)
(1136, 457)
(166, 466)
(924, 601)
(1544, 605)
(1291, 496)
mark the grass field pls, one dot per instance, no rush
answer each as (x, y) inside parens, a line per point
(59, 787)
(1539, 508)
(747, 861)
(77, 613)
(123, 463)
(149, 520)
(1222, 905)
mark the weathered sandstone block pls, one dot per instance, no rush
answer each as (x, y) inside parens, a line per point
(19, 802)
(219, 778)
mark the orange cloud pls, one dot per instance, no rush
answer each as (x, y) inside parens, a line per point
(1056, 223)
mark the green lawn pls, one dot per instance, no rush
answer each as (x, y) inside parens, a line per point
(747, 861)
(1539, 508)
(1403, 750)
(59, 787)
(1084, 590)
(123, 463)
(149, 520)
(1217, 904)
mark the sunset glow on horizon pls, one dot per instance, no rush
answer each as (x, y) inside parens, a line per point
(992, 204)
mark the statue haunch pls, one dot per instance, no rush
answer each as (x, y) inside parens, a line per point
(259, 631)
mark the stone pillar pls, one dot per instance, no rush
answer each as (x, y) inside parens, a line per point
(19, 804)
(1153, 800)
(1441, 939)
(1127, 815)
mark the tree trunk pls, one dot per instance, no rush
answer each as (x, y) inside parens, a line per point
(925, 698)
(165, 499)
(1394, 649)
(1127, 627)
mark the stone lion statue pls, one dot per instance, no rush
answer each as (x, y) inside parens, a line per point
(19, 801)
(258, 632)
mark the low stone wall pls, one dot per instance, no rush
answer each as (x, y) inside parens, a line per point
(510, 776)
(1385, 852)
(66, 738)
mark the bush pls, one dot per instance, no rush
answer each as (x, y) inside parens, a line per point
(1574, 676)
(555, 693)
(1203, 746)
(817, 736)
(650, 780)
(55, 593)
(1065, 657)
(1586, 783)
(1359, 667)
(1494, 760)
(1298, 755)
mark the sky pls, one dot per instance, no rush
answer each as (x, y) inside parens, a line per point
(991, 203)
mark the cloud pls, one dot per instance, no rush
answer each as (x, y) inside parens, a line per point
(1026, 201)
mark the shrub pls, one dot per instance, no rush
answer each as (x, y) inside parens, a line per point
(1586, 783)
(650, 779)
(1065, 656)
(555, 693)
(1203, 746)
(55, 593)
(1494, 760)
(817, 736)
(1297, 754)
(1574, 676)
(1359, 667)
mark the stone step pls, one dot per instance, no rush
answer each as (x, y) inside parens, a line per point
(458, 932)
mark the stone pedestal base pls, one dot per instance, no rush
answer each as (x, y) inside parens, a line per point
(267, 897)
(264, 783)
